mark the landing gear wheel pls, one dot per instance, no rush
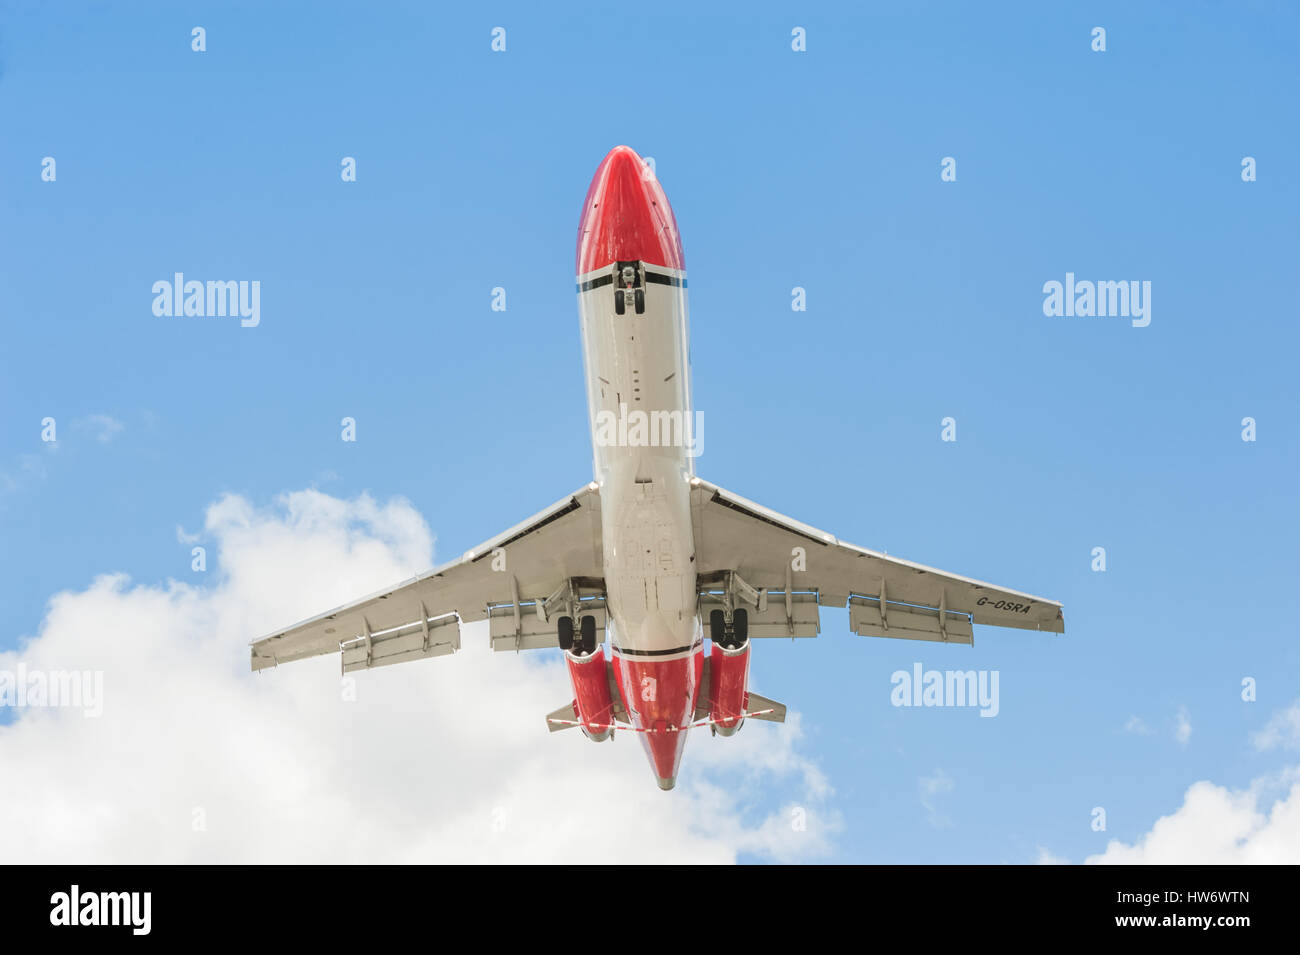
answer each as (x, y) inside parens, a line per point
(565, 627)
(588, 635)
(639, 298)
(739, 628)
(718, 627)
(620, 302)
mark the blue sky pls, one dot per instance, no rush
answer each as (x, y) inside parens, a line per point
(818, 169)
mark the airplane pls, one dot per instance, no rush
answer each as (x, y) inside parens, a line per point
(649, 557)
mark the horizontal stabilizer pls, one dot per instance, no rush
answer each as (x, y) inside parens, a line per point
(566, 717)
(761, 708)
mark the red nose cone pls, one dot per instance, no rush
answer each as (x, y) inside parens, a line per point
(627, 217)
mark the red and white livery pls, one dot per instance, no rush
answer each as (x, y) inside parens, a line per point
(648, 557)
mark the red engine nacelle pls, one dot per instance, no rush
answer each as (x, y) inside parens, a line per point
(728, 688)
(592, 699)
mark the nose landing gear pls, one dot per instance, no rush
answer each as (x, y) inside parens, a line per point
(630, 285)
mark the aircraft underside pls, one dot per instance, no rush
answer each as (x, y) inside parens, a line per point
(648, 558)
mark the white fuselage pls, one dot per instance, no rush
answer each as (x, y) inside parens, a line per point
(644, 438)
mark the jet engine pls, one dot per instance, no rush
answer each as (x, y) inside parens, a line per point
(591, 697)
(728, 686)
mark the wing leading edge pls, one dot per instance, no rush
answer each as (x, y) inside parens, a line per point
(421, 617)
(744, 551)
(800, 568)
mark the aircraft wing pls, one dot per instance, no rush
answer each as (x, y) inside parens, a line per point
(507, 579)
(787, 569)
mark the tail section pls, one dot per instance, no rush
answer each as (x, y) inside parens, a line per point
(668, 699)
(565, 718)
(725, 703)
(761, 708)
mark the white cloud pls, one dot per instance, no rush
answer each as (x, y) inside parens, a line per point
(1182, 726)
(1137, 725)
(932, 789)
(103, 428)
(1281, 731)
(31, 468)
(1218, 826)
(441, 760)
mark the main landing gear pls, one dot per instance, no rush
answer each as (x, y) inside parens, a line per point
(581, 643)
